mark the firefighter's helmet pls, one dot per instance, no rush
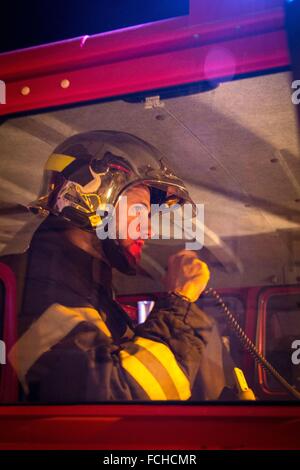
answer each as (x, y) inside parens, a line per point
(93, 169)
(90, 171)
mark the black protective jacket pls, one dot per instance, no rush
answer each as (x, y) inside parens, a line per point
(76, 344)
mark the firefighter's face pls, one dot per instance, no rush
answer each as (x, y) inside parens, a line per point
(138, 206)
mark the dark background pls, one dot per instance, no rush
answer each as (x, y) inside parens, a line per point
(30, 23)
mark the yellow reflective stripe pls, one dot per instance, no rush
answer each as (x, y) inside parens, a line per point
(152, 363)
(158, 371)
(142, 376)
(58, 162)
(50, 328)
(167, 359)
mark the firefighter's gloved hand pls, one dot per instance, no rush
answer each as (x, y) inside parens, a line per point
(187, 275)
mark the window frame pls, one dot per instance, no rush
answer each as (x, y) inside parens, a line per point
(8, 379)
(261, 335)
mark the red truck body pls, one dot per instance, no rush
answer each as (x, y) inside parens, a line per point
(150, 57)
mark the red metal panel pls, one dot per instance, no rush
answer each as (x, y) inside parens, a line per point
(131, 426)
(158, 55)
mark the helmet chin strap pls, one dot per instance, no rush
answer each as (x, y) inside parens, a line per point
(119, 258)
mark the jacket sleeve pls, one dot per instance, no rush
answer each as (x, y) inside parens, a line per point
(83, 363)
(177, 333)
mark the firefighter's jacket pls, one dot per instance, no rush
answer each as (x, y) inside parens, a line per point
(76, 344)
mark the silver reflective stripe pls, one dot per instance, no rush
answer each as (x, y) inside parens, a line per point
(50, 328)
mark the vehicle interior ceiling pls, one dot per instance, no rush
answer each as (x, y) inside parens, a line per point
(236, 148)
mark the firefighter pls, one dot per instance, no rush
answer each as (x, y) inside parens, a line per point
(75, 342)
